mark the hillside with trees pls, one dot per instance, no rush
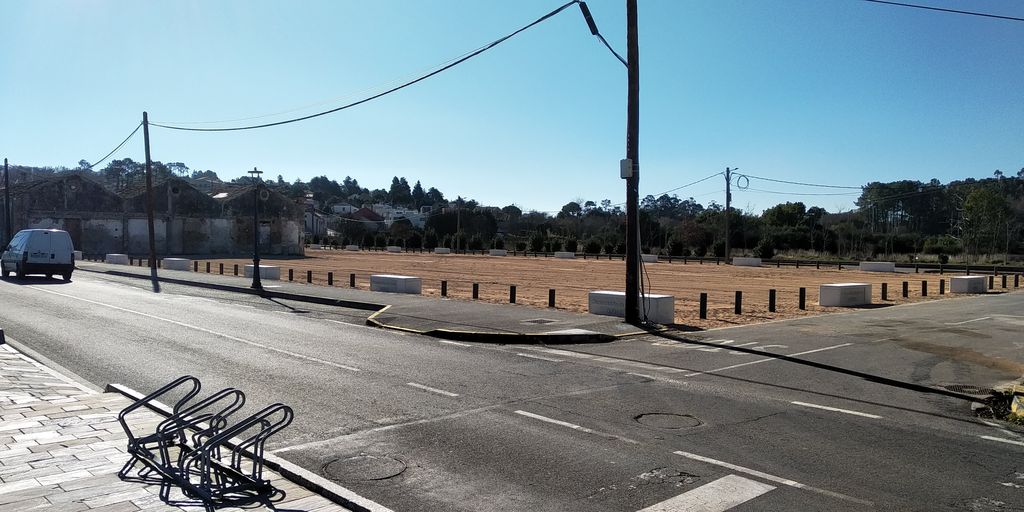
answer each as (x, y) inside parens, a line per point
(972, 220)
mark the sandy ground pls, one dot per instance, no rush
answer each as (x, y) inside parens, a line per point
(572, 279)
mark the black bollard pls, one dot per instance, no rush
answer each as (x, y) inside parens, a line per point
(771, 300)
(703, 306)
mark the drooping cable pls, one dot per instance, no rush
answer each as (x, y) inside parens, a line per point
(123, 142)
(803, 184)
(954, 11)
(381, 94)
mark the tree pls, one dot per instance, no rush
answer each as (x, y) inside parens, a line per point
(418, 195)
(434, 196)
(400, 194)
(178, 169)
(324, 190)
(571, 209)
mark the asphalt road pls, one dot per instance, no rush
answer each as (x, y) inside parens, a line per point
(716, 420)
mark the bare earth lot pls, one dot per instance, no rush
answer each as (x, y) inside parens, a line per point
(572, 279)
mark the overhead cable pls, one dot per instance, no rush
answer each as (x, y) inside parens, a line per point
(115, 149)
(801, 183)
(381, 94)
(954, 11)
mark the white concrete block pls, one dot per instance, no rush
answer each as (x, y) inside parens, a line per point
(844, 294)
(78, 256)
(746, 262)
(565, 255)
(351, 247)
(442, 250)
(266, 272)
(177, 264)
(394, 248)
(116, 259)
(499, 252)
(315, 246)
(395, 284)
(649, 258)
(877, 266)
(660, 308)
(968, 284)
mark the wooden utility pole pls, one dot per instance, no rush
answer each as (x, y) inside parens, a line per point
(149, 195)
(7, 205)
(728, 203)
(633, 158)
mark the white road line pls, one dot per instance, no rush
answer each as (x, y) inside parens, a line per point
(208, 331)
(432, 390)
(1001, 429)
(657, 378)
(717, 496)
(835, 409)
(574, 426)
(1003, 440)
(457, 344)
(970, 321)
(765, 360)
(772, 478)
(542, 358)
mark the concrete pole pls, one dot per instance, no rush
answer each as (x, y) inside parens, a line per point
(632, 312)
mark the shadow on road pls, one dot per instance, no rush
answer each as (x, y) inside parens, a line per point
(35, 280)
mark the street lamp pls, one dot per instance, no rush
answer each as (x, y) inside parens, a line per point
(257, 182)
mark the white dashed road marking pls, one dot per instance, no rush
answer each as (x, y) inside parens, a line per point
(1003, 440)
(432, 390)
(457, 344)
(574, 426)
(969, 321)
(717, 496)
(542, 358)
(835, 409)
(765, 360)
(771, 478)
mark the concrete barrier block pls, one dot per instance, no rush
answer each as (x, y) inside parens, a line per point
(78, 256)
(877, 266)
(746, 262)
(844, 294)
(442, 250)
(649, 258)
(351, 247)
(315, 246)
(660, 308)
(395, 284)
(177, 264)
(499, 252)
(565, 255)
(116, 259)
(968, 284)
(266, 271)
(394, 248)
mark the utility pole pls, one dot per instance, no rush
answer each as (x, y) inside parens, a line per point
(633, 160)
(149, 196)
(257, 284)
(728, 202)
(6, 202)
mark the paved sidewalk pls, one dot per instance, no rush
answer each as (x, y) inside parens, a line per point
(444, 318)
(61, 447)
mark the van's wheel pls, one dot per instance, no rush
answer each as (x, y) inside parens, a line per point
(20, 272)
(66, 276)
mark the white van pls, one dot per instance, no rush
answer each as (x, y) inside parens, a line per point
(39, 251)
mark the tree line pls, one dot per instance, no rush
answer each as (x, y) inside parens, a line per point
(969, 219)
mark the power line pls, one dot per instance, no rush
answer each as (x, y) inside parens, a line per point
(803, 193)
(800, 183)
(954, 11)
(381, 94)
(115, 149)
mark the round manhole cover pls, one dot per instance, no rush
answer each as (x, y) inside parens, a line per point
(364, 467)
(668, 420)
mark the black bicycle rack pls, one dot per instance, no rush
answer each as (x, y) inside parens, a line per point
(196, 449)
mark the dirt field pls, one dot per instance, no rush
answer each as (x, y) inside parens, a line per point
(572, 279)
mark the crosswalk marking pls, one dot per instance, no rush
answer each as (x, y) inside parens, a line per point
(717, 496)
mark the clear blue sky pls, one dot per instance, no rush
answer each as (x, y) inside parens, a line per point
(840, 92)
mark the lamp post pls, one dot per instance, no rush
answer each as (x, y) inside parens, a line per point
(7, 205)
(256, 283)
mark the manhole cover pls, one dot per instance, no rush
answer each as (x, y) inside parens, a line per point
(967, 389)
(668, 420)
(363, 467)
(539, 321)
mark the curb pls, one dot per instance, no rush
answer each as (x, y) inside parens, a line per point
(303, 477)
(448, 334)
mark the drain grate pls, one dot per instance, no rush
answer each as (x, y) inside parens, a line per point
(967, 389)
(540, 321)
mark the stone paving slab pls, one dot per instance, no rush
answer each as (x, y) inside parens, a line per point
(61, 447)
